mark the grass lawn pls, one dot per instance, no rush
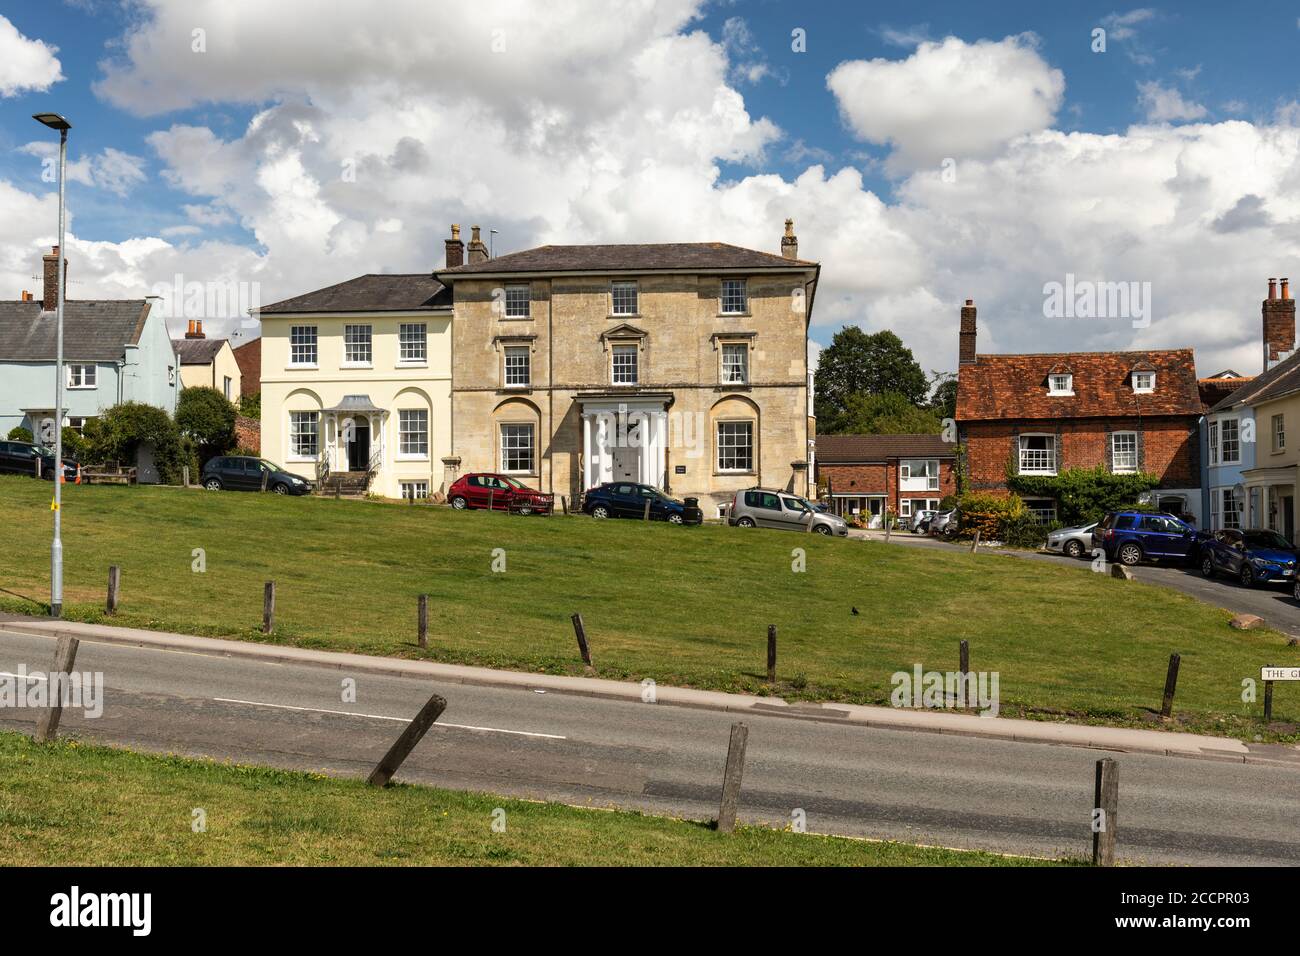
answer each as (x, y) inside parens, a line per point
(72, 804)
(686, 606)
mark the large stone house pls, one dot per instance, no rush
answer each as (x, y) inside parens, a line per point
(1044, 413)
(682, 365)
(864, 475)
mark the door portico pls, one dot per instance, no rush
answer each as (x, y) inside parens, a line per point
(624, 439)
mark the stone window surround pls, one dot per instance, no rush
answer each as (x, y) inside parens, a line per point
(503, 342)
(719, 339)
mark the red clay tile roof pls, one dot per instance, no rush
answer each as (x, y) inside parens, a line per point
(832, 449)
(1000, 387)
(1215, 390)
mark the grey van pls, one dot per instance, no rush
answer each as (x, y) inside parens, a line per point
(761, 508)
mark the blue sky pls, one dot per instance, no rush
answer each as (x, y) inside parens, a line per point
(172, 177)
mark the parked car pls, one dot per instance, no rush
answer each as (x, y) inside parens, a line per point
(241, 473)
(498, 492)
(626, 499)
(943, 524)
(1073, 542)
(761, 508)
(1252, 557)
(19, 458)
(1130, 537)
(920, 521)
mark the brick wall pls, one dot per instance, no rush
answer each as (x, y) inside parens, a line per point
(248, 433)
(882, 479)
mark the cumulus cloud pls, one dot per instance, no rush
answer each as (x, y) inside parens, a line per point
(25, 65)
(111, 169)
(1164, 104)
(949, 99)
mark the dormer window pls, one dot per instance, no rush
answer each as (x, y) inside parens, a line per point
(1060, 383)
(1144, 382)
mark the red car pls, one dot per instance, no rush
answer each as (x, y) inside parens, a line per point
(498, 492)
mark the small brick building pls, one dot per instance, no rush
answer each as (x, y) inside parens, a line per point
(864, 474)
(1044, 413)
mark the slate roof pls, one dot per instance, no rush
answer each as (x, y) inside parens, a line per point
(93, 329)
(1000, 387)
(373, 292)
(632, 257)
(197, 351)
(1282, 379)
(832, 449)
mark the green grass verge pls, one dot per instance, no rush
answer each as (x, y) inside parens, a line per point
(75, 804)
(685, 606)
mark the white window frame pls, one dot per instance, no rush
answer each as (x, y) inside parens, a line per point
(747, 423)
(358, 340)
(1227, 498)
(1067, 389)
(929, 470)
(296, 433)
(625, 287)
(1021, 449)
(729, 369)
(1279, 432)
(518, 300)
(1043, 515)
(304, 340)
(413, 344)
(1115, 466)
(78, 380)
(408, 436)
(623, 350)
(78, 423)
(508, 371)
(531, 432)
(1214, 442)
(421, 489)
(1227, 444)
(734, 292)
(226, 383)
(905, 507)
(1147, 389)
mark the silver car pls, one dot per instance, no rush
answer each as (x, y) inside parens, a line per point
(944, 524)
(920, 517)
(1073, 542)
(761, 508)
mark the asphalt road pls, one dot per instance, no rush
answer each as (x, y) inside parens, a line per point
(920, 787)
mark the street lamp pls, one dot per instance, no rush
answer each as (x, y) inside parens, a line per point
(55, 121)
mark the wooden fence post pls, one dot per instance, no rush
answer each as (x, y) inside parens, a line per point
(268, 607)
(771, 653)
(1171, 684)
(731, 778)
(404, 744)
(338, 488)
(581, 633)
(1268, 698)
(185, 475)
(1105, 812)
(38, 466)
(65, 653)
(975, 542)
(266, 476)
(114, 585)
(564, 503)
(423, 630)
(886, 521)
(646, 514)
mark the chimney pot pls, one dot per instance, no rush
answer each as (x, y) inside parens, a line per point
(1272, 288)
(1286, 288)
(455, 248)
(1279, 324)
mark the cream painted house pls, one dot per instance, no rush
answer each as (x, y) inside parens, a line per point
(356, 384)
(208, 362)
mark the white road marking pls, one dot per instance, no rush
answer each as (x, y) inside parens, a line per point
(400, 720)
(21, 676)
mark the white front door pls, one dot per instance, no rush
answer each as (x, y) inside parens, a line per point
(627, 451)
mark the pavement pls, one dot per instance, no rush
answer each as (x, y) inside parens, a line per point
(921, 776)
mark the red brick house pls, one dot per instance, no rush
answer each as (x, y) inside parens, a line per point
(1044, 413)
(862, 474)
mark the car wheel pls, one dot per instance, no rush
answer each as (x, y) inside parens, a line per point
(600, 512)
(1207, 566)
(1130, 554)
(1247, 576)
(281, 489)
(745, 522)
(674, 518)
(459, 503)
(823, 529)
(212, 484)
(525, 509)
(1074, 549)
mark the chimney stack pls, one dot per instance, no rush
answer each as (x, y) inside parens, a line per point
(1279, 323)
(790, 242)
(195, 330)
(966, 338)
(27, 296)
(455, 248)
(50, 295)
(477, 250)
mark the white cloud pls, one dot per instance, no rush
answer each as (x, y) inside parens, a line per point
(25, 65)
(1164, 104)
(110, 169)
(949, 99)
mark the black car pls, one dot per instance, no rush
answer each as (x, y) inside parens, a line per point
(626, 499)
(239, 473)
(19, 458)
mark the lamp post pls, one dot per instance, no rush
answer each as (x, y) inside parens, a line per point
(55, 121)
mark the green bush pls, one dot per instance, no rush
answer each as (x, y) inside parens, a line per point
(20, 434)
(208, 418)
(118, 433)
(74, 446)
(1084, 494)
(250, 406)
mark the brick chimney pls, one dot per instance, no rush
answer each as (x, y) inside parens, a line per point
(50, 296)
(1279, 323)
(195, 330)
(966, 338)
(790, 242)
(455, 248)
(478, 252)
(27, 296)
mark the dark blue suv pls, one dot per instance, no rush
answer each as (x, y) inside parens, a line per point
(1133, 536)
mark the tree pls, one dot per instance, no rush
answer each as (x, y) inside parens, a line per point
(250, 406)
(208, 418)
(858, 362)
(118, 433)
(886, 414)
(19, 433)
(943, 400)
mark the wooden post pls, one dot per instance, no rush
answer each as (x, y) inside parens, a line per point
(964, 694)
(963, 654)
(404, 744)
(646, 515)
(886, 520)
(975, 543)
(492, 494)
(731, 778)
(423, 628)
(581, 632)
(1171, 684)
(185, 475)
(771, 653)
(1268, 698)
(38, 466)
(65, 653)
(266, 475)
(114, 585)
(1106, 800)
(268, 607)
(564, 503)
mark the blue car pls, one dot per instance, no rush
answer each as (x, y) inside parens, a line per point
(626, 499)
(1252, 557)
(1130, 537)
